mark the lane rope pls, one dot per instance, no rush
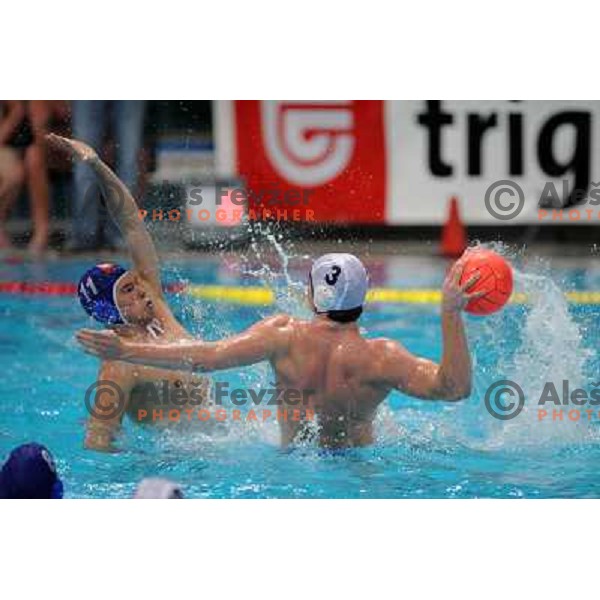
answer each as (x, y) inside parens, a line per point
(259, 296)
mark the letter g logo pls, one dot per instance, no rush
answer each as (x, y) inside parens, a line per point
(309, 144)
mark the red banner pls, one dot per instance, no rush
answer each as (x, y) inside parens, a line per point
(326, 157)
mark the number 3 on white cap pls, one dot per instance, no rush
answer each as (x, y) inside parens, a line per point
(331, 278)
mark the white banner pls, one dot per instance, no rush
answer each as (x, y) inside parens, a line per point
(440, 149)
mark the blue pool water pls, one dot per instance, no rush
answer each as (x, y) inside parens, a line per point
(423, 449)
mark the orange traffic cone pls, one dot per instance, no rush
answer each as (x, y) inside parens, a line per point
(454, 235)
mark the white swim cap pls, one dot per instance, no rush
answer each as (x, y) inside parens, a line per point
(157, 489)
(339, 282)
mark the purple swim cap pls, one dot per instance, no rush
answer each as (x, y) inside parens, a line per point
(30, 472)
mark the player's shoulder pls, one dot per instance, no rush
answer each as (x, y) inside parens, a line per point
(278, 321)
(284, 327)
(383, 352)
(276, 331)
(382, 348)
(383, 343)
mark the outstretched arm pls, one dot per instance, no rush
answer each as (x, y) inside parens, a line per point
(422, 378)
(262, 341)
(121, 206)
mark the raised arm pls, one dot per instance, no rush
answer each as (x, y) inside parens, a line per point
(422, 378)
(121, 206)
(262, 341)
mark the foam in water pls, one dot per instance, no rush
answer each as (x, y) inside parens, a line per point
(532, 344)
(550, 348)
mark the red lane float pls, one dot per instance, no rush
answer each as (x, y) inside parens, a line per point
(55, 288)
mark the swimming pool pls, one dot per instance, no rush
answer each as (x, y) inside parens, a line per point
(423, 450)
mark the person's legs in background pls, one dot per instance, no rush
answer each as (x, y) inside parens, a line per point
(89, 127)
(12, 176)
(39, 193)
(128, 128)
(36, 169)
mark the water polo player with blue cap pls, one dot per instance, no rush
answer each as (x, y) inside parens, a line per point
(131, 303)
(109, 294)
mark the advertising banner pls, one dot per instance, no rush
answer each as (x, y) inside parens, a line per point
(399, 162)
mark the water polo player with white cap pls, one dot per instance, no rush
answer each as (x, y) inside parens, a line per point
(340, 376)
(130, 302)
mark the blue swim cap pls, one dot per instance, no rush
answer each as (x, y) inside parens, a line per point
(96, 291)
(30, 472)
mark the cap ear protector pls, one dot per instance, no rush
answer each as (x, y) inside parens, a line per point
(97, 292)
(323, 297)
(177, 494)
(57, 490)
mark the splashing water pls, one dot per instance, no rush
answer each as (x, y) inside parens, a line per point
(274, 270)
(531, 345)
(550, 349)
